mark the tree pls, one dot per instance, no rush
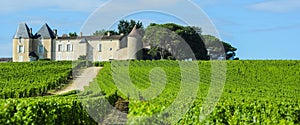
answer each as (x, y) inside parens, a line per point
(125, 26)
(218, 48)
(74, 34)
(105, 32)
(172, 41)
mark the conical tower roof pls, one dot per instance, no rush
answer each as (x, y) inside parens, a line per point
(134, 32)
(45, 32)
(23, 31)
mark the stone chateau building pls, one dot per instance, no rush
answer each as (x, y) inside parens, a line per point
(46, 44)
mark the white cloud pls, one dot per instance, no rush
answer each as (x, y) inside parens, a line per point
(12, 6)
(277, 5)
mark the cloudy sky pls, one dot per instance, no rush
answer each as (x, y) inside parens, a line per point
(260, 29)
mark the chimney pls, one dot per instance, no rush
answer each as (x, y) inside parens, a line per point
(81, 34)
(30, 31)
(55, 33)
(108, 33)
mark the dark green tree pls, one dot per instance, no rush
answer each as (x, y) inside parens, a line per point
(105, 32)
(125, 26)
(218, 48)
(73, 34)
(172, 41)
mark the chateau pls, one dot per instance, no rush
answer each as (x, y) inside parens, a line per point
(46, 44)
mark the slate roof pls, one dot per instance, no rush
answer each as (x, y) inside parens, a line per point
(23, 32)
(45, 32)
(83, 40)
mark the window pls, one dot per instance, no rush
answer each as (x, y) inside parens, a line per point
(99, 47)
(21, 49)
(60, 49)
(99, 58)
(41, 49)
(20, 58)
(69, 48)
(59, 57)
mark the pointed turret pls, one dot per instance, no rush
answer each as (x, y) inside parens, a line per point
(44, 44)
(135, 44)
(134, 32)
(45, 32)
(23, 32)
(22, 43)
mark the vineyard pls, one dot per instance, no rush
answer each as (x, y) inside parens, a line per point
(18, 80)
(255, 92)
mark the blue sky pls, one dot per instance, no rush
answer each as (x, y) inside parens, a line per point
(260, 29)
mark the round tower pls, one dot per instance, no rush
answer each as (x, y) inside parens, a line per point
(135, 45)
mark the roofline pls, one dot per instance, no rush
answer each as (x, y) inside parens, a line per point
(114, 37)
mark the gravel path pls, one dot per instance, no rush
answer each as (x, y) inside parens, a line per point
(84, 79)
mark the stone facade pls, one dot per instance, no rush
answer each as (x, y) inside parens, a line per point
(46, 44)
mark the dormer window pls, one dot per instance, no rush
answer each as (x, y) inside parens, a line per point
(39, 36)
(20, 40)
